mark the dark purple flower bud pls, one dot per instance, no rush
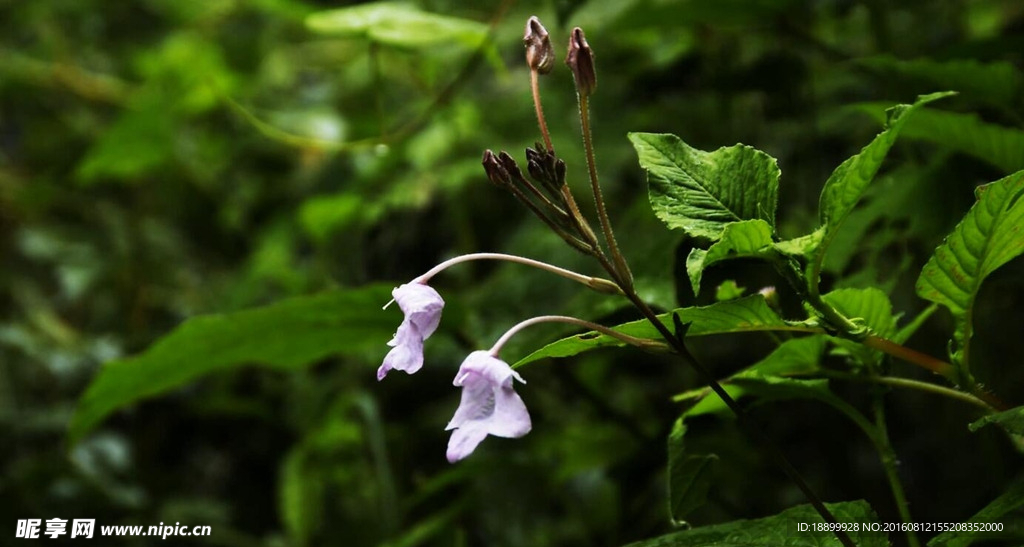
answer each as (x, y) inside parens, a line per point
(495, 172)
(581, 60)
(539, 53)
(510, 166)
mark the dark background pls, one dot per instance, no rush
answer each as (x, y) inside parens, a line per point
(162, 159)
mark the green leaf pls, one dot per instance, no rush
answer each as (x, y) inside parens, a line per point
(847, 184)
(291, 333)
(801, 246)
(1002, 147)
(778, 529)
(793, 357)
(763, 388)
(1011, 420)
(746, 239)
(689, 475)
(994, 512)
(701, 192)
(748, 314)
(989, 236)
(728, 290)
(869, 307)
(996, 83)
(398, 24)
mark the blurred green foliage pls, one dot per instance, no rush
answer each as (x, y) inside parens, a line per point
(162, 160)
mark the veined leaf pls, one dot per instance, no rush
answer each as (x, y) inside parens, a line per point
(870, 307)
(701, 192)
(846, 185)
(1011, 500)
(989, 236)
(689, 475)
(778, 529)
(748, 314)
(288, 334)
(745, 239)
(398, 24)
(996, 83)
(1000, 146)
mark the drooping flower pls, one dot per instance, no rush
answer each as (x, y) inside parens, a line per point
(490, 405)
(422, 308)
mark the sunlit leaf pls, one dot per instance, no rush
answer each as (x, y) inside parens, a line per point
(989, 236)
(398, 24)
(701, 192)
(847, 184)
(288, 334)
(870, 307)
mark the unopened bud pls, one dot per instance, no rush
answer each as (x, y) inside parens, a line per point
(510, 166)
(539, 54)
(495, 172)
(581, 60)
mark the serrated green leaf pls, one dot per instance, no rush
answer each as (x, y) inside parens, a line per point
(701, 192)
(745, 239)
(997, 83)
(793, 357)
(748, 314)
(989, 236)
(994, 512)
(778, 529)
(689, 475)
(761, 387)
(870, 307)
(288, 334)
(398, 24)
(847, 184)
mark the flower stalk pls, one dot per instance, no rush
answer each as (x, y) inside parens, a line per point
(643, 343)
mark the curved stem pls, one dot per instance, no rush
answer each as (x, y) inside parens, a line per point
(907, 383)
(639, 342)
(596, 283)
(602, 211)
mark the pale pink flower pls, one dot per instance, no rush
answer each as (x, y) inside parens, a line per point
(490, 405)
(422, 308)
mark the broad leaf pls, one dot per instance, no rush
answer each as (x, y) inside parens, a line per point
(746, 239)
(398, 24)
(995, 512)
(989, 236)
(998, 145)
(748, 314)
(778, 529)
(847, 184)
(288, 334)
(701, 192)
(689, 475)
(869, 307)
